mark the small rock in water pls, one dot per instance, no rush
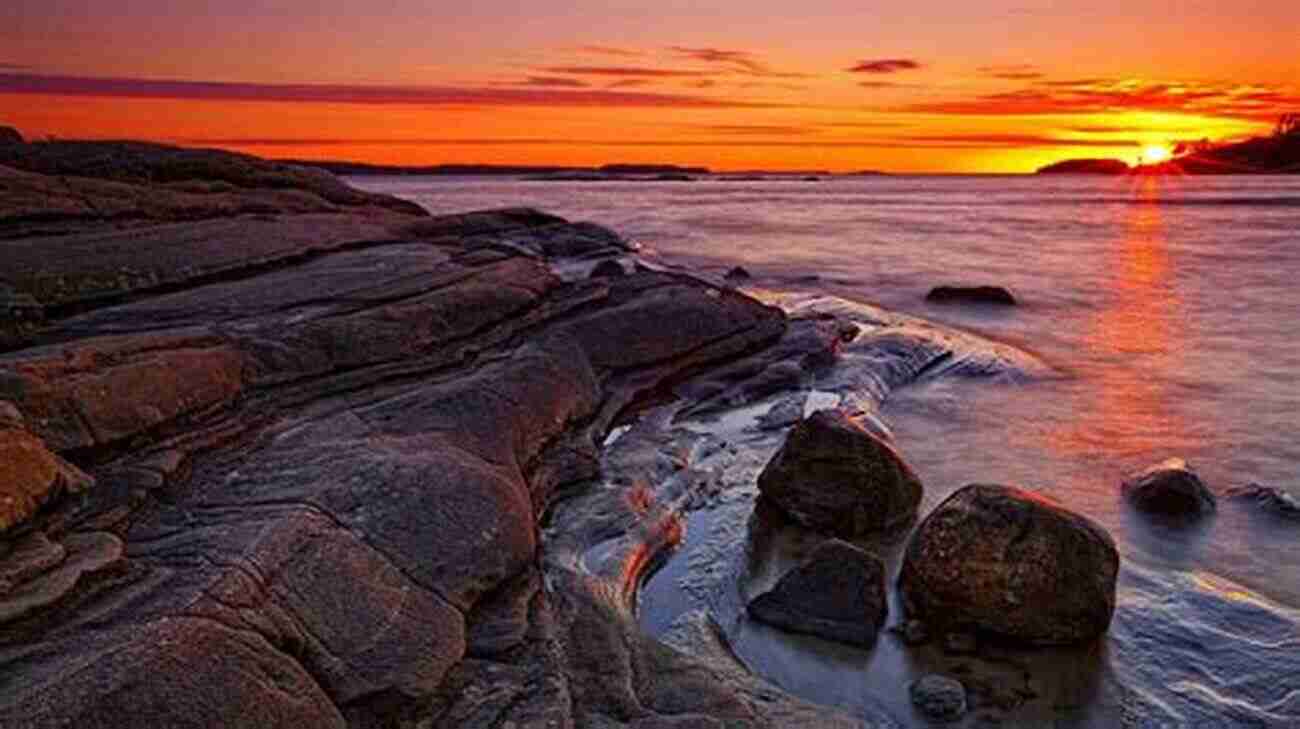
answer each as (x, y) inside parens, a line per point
(9, 135)
(838, 594)
(971, 295)
(608, 269)
(835, 476)
(738, 274)
(939, 697)
(1171, 487)
(1272, 499)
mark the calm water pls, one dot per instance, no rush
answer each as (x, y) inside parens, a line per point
(1170, 306)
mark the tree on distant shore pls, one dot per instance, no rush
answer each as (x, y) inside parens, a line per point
(1288, 125)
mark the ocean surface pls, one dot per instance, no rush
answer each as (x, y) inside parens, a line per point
(1169, 309)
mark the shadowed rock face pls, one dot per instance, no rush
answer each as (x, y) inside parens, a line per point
(1170, 488)
(9, 135)
(971, 295)
(318, 483)
(835, 476)
(1004, 561)
(838, 594)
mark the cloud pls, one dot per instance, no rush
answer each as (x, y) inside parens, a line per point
(1012, 72)
(1099, 95)
(629, 71)
(754, 129)
(629, 83)
(14, 67)
(600, 50)
(737, 61)
(885, 65)
(137, 88)
(957, 141)
(553, 82)
(1012, 141)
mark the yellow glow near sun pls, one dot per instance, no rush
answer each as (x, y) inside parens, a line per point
(1155, 154)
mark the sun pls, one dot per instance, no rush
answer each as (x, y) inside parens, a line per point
(1155, 154)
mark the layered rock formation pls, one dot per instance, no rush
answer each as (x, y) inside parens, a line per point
(316, 451)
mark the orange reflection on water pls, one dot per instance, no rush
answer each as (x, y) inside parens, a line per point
(1131, 343)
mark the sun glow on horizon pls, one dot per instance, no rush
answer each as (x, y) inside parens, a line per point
(1155, 154)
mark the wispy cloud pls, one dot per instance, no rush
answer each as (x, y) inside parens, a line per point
(937, 141)
(885, 65)
(736, 61)
(554, 82)
(773, 130)
(628, 71)
(354, 94)
(1098, 95)
(600, 50)
(629, 83)
(1011, 72)
(14, 67)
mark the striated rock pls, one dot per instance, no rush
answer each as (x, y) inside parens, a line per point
(327, 471)
(971, 295)
(939, 697)
(1172, 488)
(837, 594)
(87, 554)
(30, 475)
(9, 135)
(835, 476)
(1011, 563)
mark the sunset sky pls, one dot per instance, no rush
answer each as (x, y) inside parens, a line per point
(893, 85)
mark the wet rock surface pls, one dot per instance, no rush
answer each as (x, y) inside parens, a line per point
(834, 475)
(995, 295)
(939, 697)
(315, 470)
(838, 594)
(1171, 488)
(1271, 499)
(1003, 561)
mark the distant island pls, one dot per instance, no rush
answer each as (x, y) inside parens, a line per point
(1276, 154)
(357, 169)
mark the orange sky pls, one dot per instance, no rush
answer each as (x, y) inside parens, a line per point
(921, 86)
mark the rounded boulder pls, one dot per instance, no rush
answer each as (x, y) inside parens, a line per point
(834, 476)
(1007, 562)
(1170, 488)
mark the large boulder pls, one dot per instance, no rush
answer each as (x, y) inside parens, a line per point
(837, 594)
(1172, 488)
(9, 135)
(1011, 563)
(835, 476)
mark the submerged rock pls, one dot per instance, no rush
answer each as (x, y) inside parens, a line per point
(738, 273)
(838, 594)
(835, 476)
(1272, 499)
(1011, 563)
(971, 295)
(939, 697)
(1171, 487)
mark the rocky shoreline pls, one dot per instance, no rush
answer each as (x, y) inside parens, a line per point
(280, 454)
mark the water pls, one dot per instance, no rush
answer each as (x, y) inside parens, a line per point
(1169, 305)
